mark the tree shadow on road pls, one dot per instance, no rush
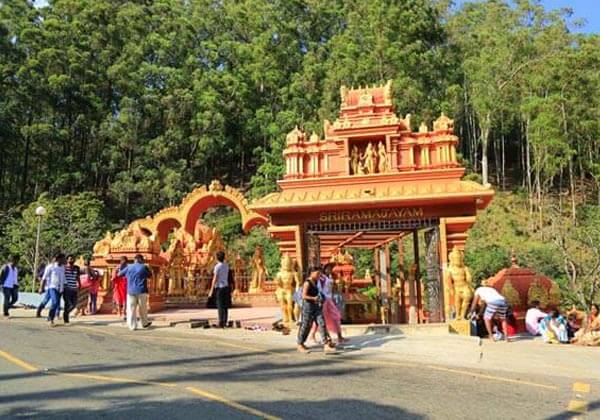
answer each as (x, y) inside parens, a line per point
(186, 408)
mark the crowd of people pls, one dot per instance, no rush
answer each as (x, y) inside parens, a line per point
(557, 328)
(319, 302)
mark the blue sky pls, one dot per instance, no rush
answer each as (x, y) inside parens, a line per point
(583, 9)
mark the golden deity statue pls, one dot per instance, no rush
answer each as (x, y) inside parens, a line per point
(355, 160)
(259, 271)
(382, 159)
(457, 284)
(369, 159)
(286, 281)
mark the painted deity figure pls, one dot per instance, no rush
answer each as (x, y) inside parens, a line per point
(457, 284)
(369, 159)
(286, 282)
(382, 158)
(259, 271)
(355, 160)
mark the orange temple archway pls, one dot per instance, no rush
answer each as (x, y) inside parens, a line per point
(195, 204)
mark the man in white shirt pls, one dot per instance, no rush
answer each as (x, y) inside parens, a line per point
(220, 285)
(533, 317)
(9, 279)
(54, 278)
(495, 307)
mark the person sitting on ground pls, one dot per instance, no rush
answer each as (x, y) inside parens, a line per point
(553, 328)
(312, 311)
(573, 325)
(496, 306)
(533, 317)
(590, 335)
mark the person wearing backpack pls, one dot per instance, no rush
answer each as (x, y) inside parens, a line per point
(9, 279)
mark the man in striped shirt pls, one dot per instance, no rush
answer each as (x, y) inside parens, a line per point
(72, 285)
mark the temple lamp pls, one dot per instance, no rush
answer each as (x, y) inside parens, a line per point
(39, 212)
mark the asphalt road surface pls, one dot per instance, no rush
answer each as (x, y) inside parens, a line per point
(84, 372)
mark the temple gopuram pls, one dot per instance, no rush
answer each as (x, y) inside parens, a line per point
(367, 181)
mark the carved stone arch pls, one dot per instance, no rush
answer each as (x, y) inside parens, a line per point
(194, 205)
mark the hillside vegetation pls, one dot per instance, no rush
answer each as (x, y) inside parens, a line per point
(137, 102)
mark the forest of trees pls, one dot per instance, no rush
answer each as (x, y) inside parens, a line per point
(138, 101)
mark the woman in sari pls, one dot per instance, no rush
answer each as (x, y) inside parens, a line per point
(119, 284)
(590, 335)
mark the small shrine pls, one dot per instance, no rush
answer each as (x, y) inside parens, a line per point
(521, 286)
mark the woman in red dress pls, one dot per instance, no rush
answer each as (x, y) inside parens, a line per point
(120, 288)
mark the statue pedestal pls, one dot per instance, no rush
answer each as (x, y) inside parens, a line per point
(460, 327)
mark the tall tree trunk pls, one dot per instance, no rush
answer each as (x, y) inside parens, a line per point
(485, 137)
(571, 177)
(528, 162)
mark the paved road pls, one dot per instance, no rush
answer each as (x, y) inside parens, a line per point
(107, 372)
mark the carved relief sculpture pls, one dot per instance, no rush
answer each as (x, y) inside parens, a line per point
(382, 159)
(369, 159)
(355, 160)
(259, 271)
(457, 284)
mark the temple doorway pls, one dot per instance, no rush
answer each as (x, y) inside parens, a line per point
(394, 263)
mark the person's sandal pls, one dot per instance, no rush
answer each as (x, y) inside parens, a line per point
(302, 349)
(329, 348)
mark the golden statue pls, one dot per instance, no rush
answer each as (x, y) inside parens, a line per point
(369, 159)
(457, 284)
(102, 247)
(259, 271)
(176, 270)
(298, 280)
(382, 159)
(368, 276)
(286, 281)
(355, 160)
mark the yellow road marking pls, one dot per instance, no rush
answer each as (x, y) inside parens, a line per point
(103, 378)
(581, 387)
(577, 406)
(232, 404)
(493, 378)
(458, 372)
(363, 362)
(18, 362)
(114, 379)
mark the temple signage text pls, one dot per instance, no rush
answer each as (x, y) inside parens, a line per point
(375, 214)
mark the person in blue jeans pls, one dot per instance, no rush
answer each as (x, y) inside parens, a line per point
(54, 280)
(46, 296)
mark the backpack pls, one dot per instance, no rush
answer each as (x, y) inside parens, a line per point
(3, 274)
(230, 280)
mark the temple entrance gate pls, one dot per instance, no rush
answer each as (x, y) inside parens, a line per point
(368, 180)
